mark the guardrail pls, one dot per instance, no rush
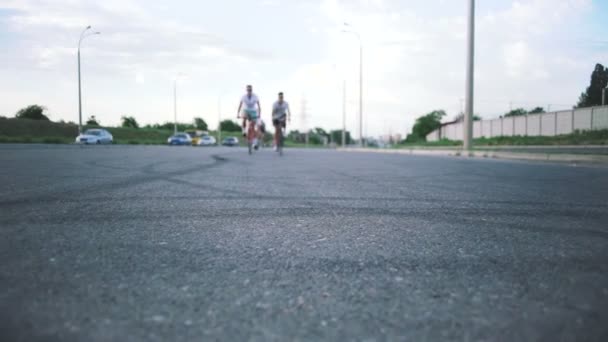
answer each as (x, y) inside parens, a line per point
(545, 124)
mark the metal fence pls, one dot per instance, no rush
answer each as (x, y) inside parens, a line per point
(546, 124)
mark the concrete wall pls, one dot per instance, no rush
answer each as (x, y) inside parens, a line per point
(520, 125)
(600, 118)
(564, 122)
(433, 136)
(582, 119)
(507, 126)
(548, 124)
(533, 125)
(496, 128)
(477, 129)
(486, 126)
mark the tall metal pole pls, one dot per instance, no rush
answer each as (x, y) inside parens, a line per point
(175, 106)
(219, 119)
(360, 82)
(79, 95)
(82, 37)
(343, 113)
(470, 80)
(360, 89)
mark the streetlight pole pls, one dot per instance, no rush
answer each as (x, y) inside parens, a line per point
(219, 118)
(83, 35)
(343, 113)
(470, 81)
(360, 82)
(175, 106)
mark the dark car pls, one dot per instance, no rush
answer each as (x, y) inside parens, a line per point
(230, 141)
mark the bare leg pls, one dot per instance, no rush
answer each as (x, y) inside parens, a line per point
(276, 135)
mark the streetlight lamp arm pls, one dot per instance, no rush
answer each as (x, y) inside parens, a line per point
(86, 34)
(82, 35)
(355, 33)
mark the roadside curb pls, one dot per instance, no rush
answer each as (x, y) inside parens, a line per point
(554, 157)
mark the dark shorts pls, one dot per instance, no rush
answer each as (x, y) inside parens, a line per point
(279, 122)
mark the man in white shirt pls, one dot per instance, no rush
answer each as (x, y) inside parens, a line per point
(250, 105)
(280, 114)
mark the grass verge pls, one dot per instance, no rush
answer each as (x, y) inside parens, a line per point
(597, 137)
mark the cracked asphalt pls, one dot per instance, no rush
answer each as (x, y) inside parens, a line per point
(128, 243)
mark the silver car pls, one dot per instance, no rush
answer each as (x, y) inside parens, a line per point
(95, 136)
(206, 140)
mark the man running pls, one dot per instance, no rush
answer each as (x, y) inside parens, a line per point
(251, 111)
(280, 113)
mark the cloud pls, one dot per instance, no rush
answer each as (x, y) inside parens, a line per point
(413, 55)
(131, 36)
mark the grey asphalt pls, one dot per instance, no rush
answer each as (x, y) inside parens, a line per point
(117, 243)
(595, 150)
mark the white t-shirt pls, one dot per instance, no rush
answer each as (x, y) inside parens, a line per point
(250, 102)
(279, 110)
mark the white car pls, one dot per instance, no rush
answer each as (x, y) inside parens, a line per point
(95, 136)
(207, 140)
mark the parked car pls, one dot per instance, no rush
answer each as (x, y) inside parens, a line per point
(95, 136)
(180, 139)
(207, 140)
(230, 141)
(196, 135)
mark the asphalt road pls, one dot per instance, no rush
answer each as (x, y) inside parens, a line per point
(596, 150)
(116, 243)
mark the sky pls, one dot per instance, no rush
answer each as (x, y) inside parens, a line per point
(528, 53)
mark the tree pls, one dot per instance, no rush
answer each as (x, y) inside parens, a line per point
(296, 136)
(460, 117)
(33, 112)
(92, 121)
(336, 136)
(537, 110)
(129, 121)
(320, 131)
(171, 125)
(425, 125)
(230, 126)
(516, 112)
(200, 124)
(314, 139)
(593, 95)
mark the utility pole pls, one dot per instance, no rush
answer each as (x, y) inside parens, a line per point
(304, 116)
(343, 113)
(360, 82)
(83, 35)
(175, 106)
(361, 89)
(470, 82)
(219, 119)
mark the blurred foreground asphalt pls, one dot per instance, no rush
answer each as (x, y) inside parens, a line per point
(121, 243)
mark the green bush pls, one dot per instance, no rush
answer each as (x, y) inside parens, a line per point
(36, 128)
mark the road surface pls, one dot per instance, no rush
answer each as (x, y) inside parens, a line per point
(583, 149)
(119, 243)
